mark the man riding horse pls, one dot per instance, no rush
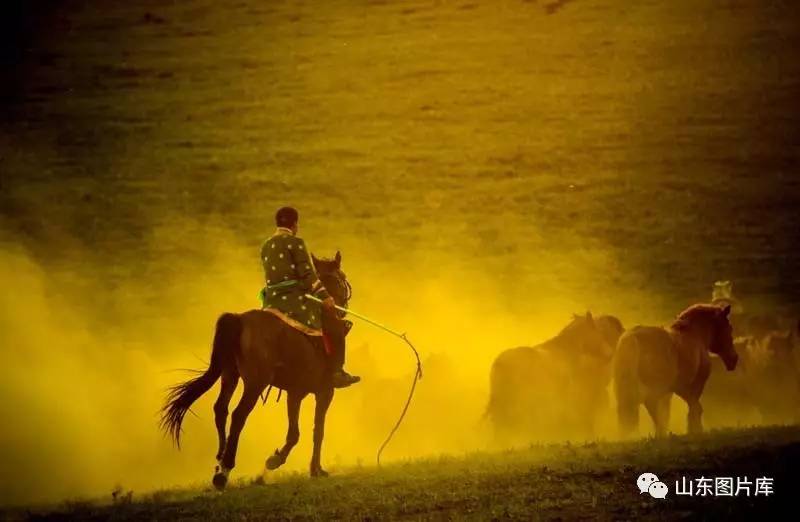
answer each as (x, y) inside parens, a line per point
(290, 275)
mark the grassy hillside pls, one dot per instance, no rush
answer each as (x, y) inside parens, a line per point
(594, 482)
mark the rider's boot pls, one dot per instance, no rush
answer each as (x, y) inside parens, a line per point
(342, 379)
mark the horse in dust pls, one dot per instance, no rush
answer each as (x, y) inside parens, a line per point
(778, 396)
(764, 387)
(555, 388)
(653, 363)
(728, 396)
(263, 350)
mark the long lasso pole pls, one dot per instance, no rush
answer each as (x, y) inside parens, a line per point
(417, 373)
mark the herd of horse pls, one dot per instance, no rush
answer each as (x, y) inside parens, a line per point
(560, 385)
(748, 375)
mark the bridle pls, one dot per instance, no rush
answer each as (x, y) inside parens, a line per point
(343, 289)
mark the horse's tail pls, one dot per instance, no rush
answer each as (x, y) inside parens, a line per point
(181, 396)
(492, 403)
(487, 413)
(503, 394)
(626, 382)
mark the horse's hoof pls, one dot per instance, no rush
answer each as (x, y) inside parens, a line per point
(319, 472)
(274, 462)
(220, 480)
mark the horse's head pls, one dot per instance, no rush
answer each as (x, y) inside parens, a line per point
(584, 336)
(611, 329)
(334, 280)
(711, 323)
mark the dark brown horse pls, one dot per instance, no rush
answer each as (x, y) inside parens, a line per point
(652, 363)
(555, 388)
(262, 350)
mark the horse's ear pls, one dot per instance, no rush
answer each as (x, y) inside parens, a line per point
(338, 259)
(589, 316)
(726, 310)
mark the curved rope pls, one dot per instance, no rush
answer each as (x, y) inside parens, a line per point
(348, 292)
(417, 377)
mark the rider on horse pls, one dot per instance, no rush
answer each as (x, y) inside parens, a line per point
(289, 273)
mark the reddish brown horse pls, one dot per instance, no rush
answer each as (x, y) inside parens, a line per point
(651, 363)
(262, 350)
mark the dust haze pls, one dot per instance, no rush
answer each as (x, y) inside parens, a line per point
(87, 362)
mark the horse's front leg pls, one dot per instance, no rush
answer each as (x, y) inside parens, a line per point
(323, 401)
(694, 419)
(293, 401)
(692, 397)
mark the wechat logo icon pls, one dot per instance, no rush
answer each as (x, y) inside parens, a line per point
(649, 483)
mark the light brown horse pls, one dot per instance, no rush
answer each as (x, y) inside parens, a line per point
(262, 350)
(651, 363)
(555, 388)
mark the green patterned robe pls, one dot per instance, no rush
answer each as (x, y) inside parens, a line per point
(289, 273)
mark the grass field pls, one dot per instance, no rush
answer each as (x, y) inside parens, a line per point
(486, 168)
(580, 482)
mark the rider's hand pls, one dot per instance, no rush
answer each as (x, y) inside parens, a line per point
(329, 303)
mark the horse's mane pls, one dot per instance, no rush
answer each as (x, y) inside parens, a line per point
(693, 313)
(577, 321)
(322, 260)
